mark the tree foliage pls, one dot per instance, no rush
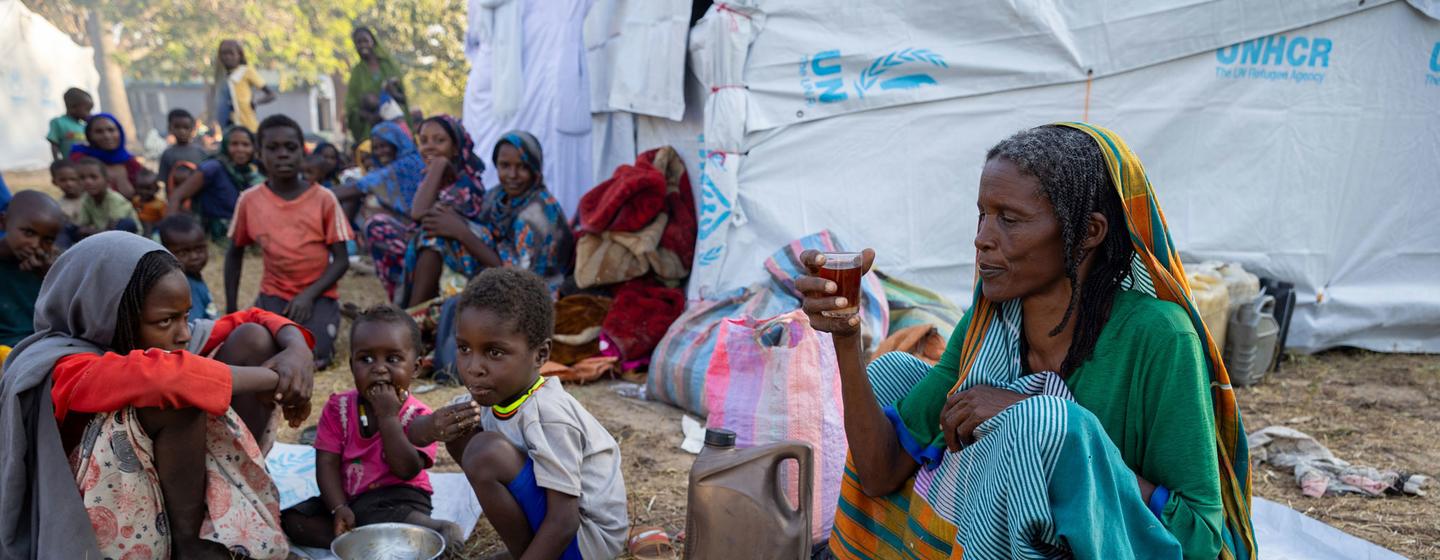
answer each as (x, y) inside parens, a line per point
(178, 40)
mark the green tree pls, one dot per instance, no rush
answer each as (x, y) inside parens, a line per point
(177, 40)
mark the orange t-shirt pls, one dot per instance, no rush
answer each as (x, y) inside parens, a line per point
(149, 212)
(294, 235)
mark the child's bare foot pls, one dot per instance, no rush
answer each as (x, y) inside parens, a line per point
(454, 537)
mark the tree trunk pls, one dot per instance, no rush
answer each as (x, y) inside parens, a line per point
(342, 88)
(112, 82)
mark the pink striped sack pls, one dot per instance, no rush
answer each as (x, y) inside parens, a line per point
(776, 379)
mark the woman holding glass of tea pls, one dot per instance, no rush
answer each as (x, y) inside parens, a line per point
(1080, 409)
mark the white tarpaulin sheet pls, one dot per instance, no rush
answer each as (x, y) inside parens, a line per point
(1286, 534)
(1298, 139)
(40, 63)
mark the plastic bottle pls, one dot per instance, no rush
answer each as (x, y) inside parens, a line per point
(1250, 340)
(737, 506)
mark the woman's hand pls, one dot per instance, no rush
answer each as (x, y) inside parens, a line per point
(966, 410)
(443, 221)
(384, 399)
(820, 295)
(454, 421)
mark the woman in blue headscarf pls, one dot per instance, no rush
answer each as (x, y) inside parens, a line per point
(519, 223)
(393, 185)
(105, 140)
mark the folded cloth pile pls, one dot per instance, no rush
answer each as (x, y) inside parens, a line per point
(640, 220)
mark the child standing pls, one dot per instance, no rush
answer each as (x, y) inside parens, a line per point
(104, 209)
(235, 83)
(184, 238)
(182, 127)
(31, 223)
(301, 230)
(546, 472)
(148, 204)
(69, 129)
(365, 479)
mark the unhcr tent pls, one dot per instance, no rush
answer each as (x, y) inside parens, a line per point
(1297, 138)
(40, 63)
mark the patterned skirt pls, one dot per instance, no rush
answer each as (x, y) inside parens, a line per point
(114, 468)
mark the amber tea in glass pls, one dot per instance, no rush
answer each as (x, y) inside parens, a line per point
(844, 270)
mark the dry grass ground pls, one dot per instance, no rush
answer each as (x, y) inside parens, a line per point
(1381, 410)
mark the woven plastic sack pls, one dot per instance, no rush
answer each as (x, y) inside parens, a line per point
(677, 368)
(776, 379)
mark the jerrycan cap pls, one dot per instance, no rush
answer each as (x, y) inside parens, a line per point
(716, 437)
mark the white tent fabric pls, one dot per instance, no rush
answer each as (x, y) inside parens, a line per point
(652, 31)
(555, 104)
(1300, 154)
(41, 62)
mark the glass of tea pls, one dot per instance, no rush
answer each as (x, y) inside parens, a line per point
(844, 270)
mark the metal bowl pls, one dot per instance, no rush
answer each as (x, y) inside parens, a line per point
(389, 541)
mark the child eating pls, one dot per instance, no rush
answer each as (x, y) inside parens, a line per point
(546, 472)
(301, 230)
(182, 235)
(365, 479)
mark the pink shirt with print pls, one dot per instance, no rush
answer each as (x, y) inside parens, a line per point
(362, 459)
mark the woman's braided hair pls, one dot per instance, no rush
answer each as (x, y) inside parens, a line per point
(148, 272)
(1072, 174)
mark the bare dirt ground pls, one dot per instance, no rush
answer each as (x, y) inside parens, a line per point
(1381, 410)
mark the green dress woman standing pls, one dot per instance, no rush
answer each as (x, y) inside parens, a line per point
(375, 79)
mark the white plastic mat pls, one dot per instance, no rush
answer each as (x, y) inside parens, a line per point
(293, 469)
(1286, 534)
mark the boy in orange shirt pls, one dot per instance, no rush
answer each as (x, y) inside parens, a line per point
(301, 230)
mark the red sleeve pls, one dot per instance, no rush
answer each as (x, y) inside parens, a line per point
(151, 379)
(271, 321)
(133, 169)
(239, 228)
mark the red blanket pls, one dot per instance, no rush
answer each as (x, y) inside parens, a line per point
(641, 314)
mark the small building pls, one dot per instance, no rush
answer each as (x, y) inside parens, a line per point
(313, 106)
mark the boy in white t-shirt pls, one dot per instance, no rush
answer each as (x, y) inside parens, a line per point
(545, 471)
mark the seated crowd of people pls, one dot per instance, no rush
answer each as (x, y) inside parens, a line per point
(105, 307)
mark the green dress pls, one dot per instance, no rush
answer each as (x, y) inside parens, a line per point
(363, 82)
(1147, 386)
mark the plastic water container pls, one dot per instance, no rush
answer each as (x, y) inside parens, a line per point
(1212, 299)
(1251, 340)
(738, 507)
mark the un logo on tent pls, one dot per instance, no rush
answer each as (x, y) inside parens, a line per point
(821, 75)
(875, 73)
